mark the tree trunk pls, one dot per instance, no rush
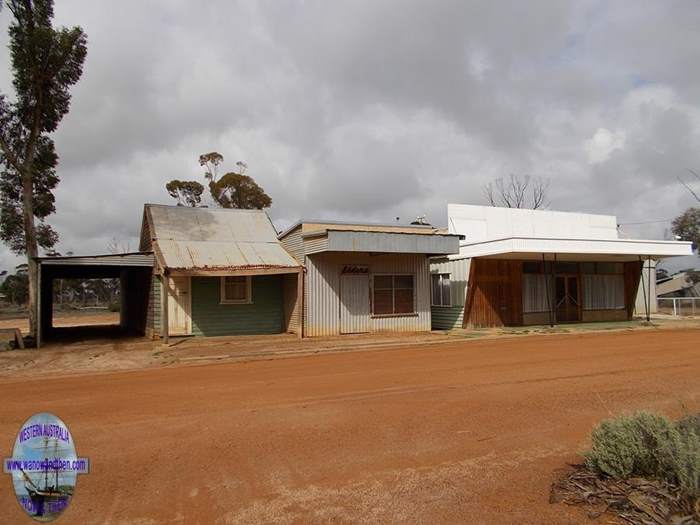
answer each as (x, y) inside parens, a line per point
(32, 249)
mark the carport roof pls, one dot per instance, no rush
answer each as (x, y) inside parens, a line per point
(143, 259)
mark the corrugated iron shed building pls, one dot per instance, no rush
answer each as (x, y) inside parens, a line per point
(220, 272)
(366, 277)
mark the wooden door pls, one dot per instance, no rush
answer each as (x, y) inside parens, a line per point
(354, 303)
(179, 306)
(567, 298)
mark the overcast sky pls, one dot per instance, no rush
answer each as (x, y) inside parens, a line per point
(374, 109)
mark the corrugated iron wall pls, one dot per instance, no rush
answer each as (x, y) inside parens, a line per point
(450, 317)
(316, 244)
(322, 290)
(294, 244)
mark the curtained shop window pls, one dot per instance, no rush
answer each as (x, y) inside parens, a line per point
(441, 289)
(603, 286)
(603, 292)
(393, 294)
(535, 287)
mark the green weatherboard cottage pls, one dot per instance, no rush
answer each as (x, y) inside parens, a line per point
(219, 272)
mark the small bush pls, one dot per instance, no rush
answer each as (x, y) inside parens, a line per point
(651, 446)
(114, 307)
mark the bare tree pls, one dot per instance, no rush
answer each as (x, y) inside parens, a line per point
(687, 186)
(517, 192)
(115, 246)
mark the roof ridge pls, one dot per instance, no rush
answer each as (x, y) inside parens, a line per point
(197, 208)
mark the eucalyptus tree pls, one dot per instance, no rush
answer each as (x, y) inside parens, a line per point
(46, 62)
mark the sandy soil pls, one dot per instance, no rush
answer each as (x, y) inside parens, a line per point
(470, 431)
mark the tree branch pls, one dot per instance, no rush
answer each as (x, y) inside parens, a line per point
(695, 195)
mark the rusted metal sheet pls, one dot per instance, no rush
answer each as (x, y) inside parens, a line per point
(216, 239)
(185, 255)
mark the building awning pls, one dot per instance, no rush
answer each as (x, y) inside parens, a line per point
(331, 240)
(229, 258)
(574, 249)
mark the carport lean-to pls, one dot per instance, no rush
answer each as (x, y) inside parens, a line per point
(134, 271)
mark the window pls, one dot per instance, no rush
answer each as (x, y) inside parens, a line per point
(535, 288)
(441, 289)
(603, 292)
(393, 294)
(235, 290)
(603, 286)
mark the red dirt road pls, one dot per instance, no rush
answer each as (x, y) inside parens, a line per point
(466, 432)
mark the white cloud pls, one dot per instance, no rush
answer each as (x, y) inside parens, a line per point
(603, 143)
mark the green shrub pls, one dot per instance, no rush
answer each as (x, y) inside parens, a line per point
(686, 464)
(114, 307)
(648, 445)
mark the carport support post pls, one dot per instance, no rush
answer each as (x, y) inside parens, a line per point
(164, 308)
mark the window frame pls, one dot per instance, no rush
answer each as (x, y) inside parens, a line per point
(441, 276)
(249, 291)
(393, 276)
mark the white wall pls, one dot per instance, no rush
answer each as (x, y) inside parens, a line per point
(644, 288)
(487, 223)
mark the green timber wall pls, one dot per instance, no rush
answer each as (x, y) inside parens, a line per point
(447, 317)
(450, 317)
(263, 316)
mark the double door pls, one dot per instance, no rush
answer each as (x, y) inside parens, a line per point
(567, 298)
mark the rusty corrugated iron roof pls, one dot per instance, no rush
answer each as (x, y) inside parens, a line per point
(216, 239)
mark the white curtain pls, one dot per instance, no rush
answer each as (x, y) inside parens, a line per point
(603, 292)
(535, 293)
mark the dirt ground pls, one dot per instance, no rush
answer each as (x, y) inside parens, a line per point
(466, 431)
(67, 318)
